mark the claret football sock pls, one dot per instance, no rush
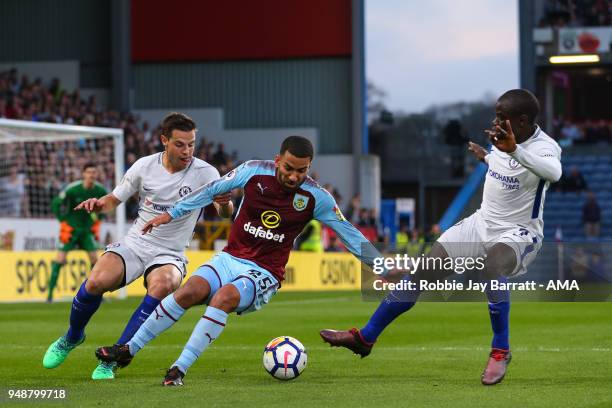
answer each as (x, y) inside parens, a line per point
(394, 304)
(140, 315)
(84, 305)
(205, 332)
(163, 316)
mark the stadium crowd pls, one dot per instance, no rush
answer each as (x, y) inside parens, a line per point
(33, 173)
(590, 131)
(576, 13)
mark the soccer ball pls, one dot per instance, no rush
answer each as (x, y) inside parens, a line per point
(284, 358)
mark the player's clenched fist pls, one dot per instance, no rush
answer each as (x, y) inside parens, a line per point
(156, 222)
(89, 205)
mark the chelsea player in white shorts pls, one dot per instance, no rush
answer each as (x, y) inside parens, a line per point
(507, 229)
(160, 180)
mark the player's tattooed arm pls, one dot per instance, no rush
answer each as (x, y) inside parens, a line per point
(224, 205)
(478, 151)
(103, 204)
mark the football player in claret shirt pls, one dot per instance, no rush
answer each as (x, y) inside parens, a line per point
(279, 200)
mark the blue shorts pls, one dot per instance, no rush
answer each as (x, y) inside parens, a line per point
(255, 284)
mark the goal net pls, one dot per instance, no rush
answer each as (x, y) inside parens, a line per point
(37, 161)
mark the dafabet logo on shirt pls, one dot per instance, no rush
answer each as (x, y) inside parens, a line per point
(270, 219)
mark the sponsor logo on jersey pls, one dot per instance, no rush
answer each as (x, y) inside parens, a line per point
(183, 191)
(157, 207)
(270, 219)
(261, 188)
(508, 182)
(300, 202)
(230, 175)
(260, 232)
(339, 214)
(513, 163)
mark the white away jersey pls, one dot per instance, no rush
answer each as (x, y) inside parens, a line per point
(516, 183)
(158, 191)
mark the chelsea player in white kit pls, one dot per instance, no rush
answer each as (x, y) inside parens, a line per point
(507, 229)
(160, 180)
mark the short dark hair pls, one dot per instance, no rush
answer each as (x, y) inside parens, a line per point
(521, 102)
(176, 121)
(298, 146)
(89, 165)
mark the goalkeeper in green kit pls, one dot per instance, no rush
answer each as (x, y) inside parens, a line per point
(78, 229)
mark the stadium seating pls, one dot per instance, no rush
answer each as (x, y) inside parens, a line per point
(564, 210)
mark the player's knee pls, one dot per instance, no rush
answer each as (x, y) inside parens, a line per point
(227, 299)
(97, 284)
(160, 288)
(163, 281)
(500, 261)
(103, 278)
(192, 293)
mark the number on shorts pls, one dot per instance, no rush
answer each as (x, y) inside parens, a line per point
(264, 283)
(521, 232)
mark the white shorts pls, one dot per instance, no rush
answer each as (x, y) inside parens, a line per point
(472, 237)
(140, 256)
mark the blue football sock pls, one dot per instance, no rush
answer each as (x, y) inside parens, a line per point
(163, 316)
(142, 313)
(84, 305)
(206, 331)
(394, 304)
(499, 311)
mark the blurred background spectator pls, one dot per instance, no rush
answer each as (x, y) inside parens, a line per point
(591, 216)
(576, 13)
(571, 182)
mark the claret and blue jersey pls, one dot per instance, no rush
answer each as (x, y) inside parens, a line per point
(270, 218)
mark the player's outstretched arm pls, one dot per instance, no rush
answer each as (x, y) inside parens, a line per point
(206, 194)
(478, 151)
(156, 222)
(327, 211)
(103, 204)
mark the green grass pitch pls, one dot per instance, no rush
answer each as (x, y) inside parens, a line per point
(430, 357)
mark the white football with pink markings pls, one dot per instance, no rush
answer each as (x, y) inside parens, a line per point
(285, 358)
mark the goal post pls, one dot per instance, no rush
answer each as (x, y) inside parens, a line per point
(37, 160)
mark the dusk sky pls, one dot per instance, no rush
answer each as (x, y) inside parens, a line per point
(436, 51)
